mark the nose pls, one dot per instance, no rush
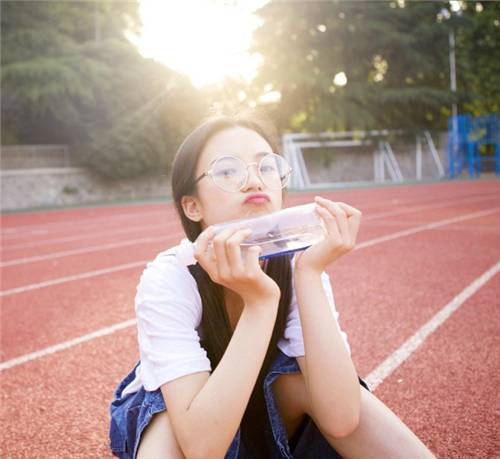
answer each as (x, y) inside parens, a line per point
(253, 178)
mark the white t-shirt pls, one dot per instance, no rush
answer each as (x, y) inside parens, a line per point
(169, 312)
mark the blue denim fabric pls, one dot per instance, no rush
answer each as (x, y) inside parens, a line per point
(131, 414)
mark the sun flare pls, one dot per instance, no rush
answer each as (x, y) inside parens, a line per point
(204, 39)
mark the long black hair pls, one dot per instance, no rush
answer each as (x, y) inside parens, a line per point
(215, 322)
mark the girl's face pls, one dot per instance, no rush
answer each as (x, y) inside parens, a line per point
(214, 205)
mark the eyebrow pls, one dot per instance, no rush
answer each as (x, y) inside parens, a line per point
(257, 155)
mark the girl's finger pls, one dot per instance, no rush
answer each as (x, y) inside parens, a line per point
(349, 210)
(252, 264)
(354, 219)
(202, 243)
(233, 250)
(219, 243)
(333, 207)
(330, 222)
(341, 218)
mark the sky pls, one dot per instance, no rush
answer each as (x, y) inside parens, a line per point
(204, 39)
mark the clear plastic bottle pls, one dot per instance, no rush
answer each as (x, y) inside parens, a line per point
(285, 231)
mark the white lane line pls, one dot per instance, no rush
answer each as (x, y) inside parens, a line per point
(427, 207)
(25, 230)
(427, 226)
(62, 280)
(33, 229)
(400, 355)
(65, 345)
(484, 228)
(362, 245)
(170, 224)
(373, 379)
(87, 235)
(94, 248)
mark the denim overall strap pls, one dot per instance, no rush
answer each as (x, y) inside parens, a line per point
(117, 411)
(234, 449)
(281, 365)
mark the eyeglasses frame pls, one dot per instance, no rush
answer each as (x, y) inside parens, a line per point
(210, 171)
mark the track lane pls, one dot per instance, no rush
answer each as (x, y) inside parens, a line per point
(53, 407)
(70, 391)
(61, 302)
(82, 240)
(54, 218)
(19, 238)
(373, 199)
(32, 248)
(57, 406)
(451, 382)
(17, 275)
(390, 289)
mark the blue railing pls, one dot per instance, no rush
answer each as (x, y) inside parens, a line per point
(472, 141)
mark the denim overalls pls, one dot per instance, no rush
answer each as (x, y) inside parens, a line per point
(131, 414)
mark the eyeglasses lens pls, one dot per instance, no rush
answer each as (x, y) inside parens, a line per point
(230, 173)
(274, 171)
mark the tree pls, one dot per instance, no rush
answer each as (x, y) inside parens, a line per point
(70, 75)
(477, 30)
(394, 56)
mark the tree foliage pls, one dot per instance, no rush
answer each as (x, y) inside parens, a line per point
(70, 75)
(394, 55)
(477, 31)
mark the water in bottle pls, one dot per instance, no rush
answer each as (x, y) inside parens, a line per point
(285, 231)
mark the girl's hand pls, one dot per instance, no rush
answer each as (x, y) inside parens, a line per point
(342, 223)
(223, 262)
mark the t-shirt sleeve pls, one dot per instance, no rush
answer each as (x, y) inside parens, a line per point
(168, 310)
(292, 343)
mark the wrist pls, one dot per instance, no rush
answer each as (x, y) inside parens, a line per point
(306, 272)
(266, 298)
(262, 308)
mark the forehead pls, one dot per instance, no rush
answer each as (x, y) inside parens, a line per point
(236, 141)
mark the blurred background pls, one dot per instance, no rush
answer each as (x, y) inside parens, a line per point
(96, 96)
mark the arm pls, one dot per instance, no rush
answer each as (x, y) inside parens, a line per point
(329, 373)
(206, 427)
(206, 416)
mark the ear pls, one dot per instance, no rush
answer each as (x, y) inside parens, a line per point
(192, 208)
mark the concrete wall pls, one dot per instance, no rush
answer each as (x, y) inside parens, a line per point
(28, 186)
(49, 187)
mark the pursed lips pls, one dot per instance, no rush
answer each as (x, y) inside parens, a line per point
(257, 199)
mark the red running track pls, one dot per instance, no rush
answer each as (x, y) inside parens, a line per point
(69, 273)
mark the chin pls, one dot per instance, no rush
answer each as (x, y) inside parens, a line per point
(255, 211)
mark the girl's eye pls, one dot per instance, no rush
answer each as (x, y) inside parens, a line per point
(226, 172)
(267, 169)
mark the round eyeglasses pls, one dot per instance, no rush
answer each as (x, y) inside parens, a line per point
(230, 173)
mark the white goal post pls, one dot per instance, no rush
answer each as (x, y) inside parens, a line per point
(384, 158)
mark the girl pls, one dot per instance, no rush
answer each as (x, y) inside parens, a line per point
(241, 358)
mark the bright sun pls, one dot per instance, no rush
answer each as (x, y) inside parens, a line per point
(205, 39)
